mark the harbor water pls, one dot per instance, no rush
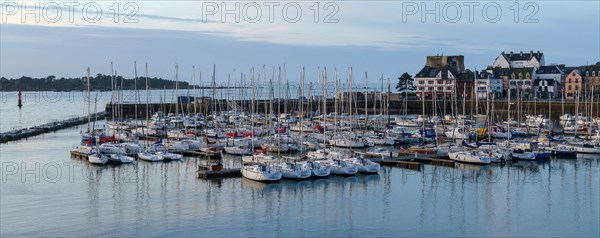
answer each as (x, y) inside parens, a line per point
(44, 192)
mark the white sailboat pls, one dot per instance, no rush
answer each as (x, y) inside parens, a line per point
(147, 156)
(318, 169)
(97, 158)
(364, 165)
(473, 157)
(169, 156)
(120, 159)
(293, 170)
(259, 172)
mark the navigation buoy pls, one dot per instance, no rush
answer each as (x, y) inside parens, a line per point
(20, 104)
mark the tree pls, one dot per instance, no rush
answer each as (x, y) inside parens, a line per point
(406, 83)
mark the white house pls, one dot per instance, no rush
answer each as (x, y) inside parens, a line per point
(434, 80)
(550, 72)
(486, 82)
(545, 88)
(520, 60)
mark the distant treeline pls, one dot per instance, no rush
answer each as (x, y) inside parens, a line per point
(99, 82)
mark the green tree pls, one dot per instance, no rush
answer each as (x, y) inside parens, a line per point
(406, 83)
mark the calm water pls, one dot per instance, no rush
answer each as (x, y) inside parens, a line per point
(46, 193)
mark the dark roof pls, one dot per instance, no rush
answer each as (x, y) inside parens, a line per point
(521, 70)
(485, 74)
(516, 56)
(499, 72)
(594, 67)
(431, 72)
(466, 75)
(578, 71)
(550, 69)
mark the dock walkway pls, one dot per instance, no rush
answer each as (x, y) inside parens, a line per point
(23, 133)
(414, 162)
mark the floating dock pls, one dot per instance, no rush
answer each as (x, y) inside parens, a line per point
(79, 155)
(414, 162)
(402, 164)
(214, 171)
(48, 127)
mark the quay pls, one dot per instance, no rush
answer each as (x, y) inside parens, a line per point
(23, 133)
(396, 107)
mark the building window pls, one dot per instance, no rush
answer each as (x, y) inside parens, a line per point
(593, 73)
(569, 88)
(570, 80)
(430, 88)
(421, 88)
(573, 73)
(430, 82)
(520, 76)
(449, 88)
(576, 87)
(587, 73)
(576, 80)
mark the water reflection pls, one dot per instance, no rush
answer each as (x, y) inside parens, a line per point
(524, 198)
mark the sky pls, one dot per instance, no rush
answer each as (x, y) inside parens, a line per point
(381, 38)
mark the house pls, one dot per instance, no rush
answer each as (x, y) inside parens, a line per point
(574, 82)
(439, 76)
(592, 77)
(520, 81)
(547, 88)
(486, 82)
(501, 73)
(551, 74)
(438, 80)
(519, 60)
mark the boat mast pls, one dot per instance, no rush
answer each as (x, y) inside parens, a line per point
(112, 92)
(366, 101)
(287, 91)
(89, 100)
(324, 100)
(324, 96)
(509, 119)
(278, 96)
(176, 90)
(350, 95)
(488, 111)
(550, 111)
(337, 82)
(301, 98)
(194, 89)
(147, 91)
(136, 90)
(252, 106)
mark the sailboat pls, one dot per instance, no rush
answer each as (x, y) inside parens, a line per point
(349, 140)
(261, 171)
(472, 156)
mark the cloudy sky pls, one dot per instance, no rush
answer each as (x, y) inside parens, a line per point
(379, 37)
